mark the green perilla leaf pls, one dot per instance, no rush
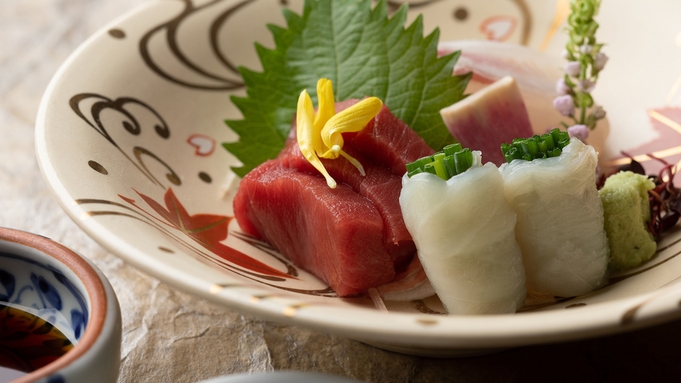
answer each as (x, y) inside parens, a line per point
(365, 53)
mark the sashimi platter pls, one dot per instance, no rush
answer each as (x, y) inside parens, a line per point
(435, 178)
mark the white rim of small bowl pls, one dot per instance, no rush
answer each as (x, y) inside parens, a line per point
(102, 302)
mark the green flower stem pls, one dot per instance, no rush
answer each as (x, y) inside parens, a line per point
(582, 50)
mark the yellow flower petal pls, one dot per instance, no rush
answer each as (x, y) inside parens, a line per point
(306, 137)
(352, 119)
(320, 134)
(327, 104)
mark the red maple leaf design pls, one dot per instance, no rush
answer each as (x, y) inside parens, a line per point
(208, 230)
(667, 146)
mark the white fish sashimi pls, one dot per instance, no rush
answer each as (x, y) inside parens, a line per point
(560, 221)
(464, 233)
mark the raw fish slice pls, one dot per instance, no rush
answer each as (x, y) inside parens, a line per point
(464, 230)
(386, 140)
(379, 185)
(560, 221)
(408, 285)
(335, 234)
(535, 72)
(488, 118)
(390, 142)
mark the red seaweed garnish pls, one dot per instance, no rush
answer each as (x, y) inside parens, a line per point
(665, 200)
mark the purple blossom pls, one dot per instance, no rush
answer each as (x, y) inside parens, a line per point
(573, 68)
(600, 60)
(586, 86)
(564, 104)
(562, 87)
(579, 131)
(598, 112)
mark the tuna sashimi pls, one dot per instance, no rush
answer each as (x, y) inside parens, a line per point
(336, 234)
(379, 185)
(386, 140)
(389, 141)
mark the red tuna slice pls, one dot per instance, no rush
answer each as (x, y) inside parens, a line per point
(335, 234)
(488, 118)
(379, 185)
(389, 141)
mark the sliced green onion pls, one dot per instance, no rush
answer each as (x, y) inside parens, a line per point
(429, 168)
(463, 160)
(547, 145)
(555, 134)
(450, 161)
(542, 146)
(419, 164)
(450, 164)
(548, 138)
(439, 165)
(451, 149)
(555, 152)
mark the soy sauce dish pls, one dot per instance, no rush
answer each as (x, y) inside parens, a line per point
(59, 317)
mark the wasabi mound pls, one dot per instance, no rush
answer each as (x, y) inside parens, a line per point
(627, 212)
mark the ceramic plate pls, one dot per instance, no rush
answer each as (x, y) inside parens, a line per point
(129, 137)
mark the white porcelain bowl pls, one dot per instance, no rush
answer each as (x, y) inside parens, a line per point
(129, 138)
(45, 278)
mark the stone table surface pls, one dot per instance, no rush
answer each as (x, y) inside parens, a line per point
(170, 336)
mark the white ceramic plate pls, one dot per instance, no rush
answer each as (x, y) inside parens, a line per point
(129, 135)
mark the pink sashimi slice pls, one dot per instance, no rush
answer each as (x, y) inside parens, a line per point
(488, 118)
(408, 285)
(535, 72)
(335, 234)
(379, 185)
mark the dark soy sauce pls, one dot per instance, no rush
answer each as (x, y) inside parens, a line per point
(27, 342)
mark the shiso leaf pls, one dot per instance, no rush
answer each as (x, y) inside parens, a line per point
(365, 53)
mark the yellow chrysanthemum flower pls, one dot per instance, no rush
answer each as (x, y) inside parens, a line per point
(320, 134)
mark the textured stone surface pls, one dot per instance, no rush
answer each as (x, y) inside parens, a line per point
(169, 336)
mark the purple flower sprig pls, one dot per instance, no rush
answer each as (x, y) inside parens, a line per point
(585, 62)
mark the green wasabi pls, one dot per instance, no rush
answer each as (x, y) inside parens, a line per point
(627, 212)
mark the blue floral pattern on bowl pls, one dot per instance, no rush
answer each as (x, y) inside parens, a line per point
(45, 291)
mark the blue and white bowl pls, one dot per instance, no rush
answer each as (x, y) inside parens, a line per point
(49, 280)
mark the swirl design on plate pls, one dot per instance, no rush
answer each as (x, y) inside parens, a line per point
(193, 74)
(121, 106)
(211, 68)
(201, 234)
